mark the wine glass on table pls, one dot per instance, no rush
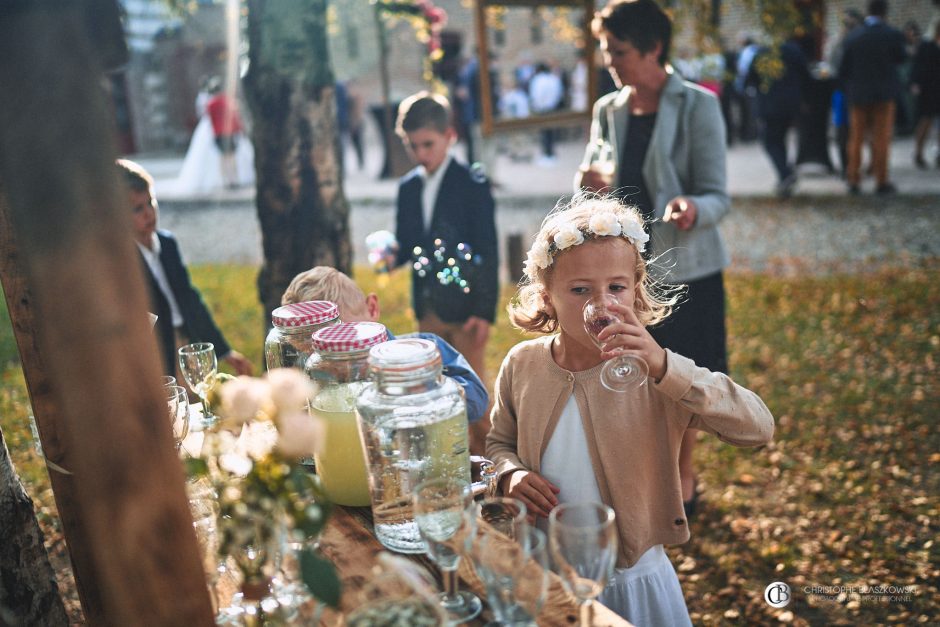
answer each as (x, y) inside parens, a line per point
(582, 540)
(177, 402)
(440, 509)
(199, 366)
(620, 373)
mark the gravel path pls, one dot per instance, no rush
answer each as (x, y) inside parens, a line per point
(809, 234)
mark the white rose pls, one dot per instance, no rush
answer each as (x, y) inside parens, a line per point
(567, 236)
(235, 463)
(242, 399)
(604, 223)
(290, 390)
(539, 257)
(299, 435)
(633, 230)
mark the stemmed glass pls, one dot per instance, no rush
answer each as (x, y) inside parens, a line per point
(199, 366)
(499, 551)
(178, 406)
(440, 507)
(582, 539)
(624, 371)
(532, 581)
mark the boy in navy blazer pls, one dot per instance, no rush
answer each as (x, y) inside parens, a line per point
(444, 200)
(182, 316)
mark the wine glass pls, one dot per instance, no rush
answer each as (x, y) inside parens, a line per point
(602, 162)
(178, 405)
(167, 379)
(624, 371)
(505, 514)
(582, 539)
(440, 507)
(199, 366)
(531, 588)
(514, 574)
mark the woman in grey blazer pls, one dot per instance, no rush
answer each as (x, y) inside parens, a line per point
(666, 140)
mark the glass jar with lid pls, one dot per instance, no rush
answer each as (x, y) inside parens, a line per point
(288, 344)
(413, 423)
(339, 369)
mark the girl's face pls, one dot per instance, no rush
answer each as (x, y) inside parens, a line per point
(605, 265)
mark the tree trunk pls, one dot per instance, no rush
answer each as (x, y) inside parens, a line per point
(28, 591)
(290, 90)
(86, 345)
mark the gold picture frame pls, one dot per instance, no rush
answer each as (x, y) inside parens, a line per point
(488, 13)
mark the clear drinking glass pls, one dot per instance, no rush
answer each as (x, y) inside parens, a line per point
(513, 572)
(199, 365)
(167, 380)
(506, 515)
(178, 406)
(620, 373)
(440, 507)
(582, 539)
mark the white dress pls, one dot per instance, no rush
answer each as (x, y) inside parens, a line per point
(201, 172)
(646, 594)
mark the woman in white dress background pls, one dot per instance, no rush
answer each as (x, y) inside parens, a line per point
(201, 172)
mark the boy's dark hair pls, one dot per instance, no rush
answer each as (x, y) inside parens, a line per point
(641, 23)
(134, 176)
(423, 110)
(878, 8)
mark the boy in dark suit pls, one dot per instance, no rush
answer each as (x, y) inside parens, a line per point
(182, 316)
(444, 200)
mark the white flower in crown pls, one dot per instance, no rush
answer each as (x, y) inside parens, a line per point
(604, 223)
(538, 258)
(633, 230)
(567, 236)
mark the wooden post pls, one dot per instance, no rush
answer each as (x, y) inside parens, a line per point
(515, 256)
(78, 305)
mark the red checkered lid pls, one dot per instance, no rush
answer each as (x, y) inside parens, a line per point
(304, 314)
(347, 337)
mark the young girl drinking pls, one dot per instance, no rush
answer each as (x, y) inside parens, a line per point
(559, 435)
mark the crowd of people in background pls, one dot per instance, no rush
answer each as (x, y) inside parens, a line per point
(888, 78)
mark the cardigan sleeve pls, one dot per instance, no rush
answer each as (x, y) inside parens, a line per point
(717, 404)
(502, 440)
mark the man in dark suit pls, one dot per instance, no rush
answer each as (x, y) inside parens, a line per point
(779, 102)
(182, 316)
(444, 200)
(869, 76)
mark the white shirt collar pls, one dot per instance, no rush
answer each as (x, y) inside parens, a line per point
(432, 186)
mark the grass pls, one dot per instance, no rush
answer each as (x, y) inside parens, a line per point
(845, 497)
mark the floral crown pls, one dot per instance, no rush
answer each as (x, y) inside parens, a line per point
(601, 224)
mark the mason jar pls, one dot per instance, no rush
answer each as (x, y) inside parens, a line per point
(339, 369)
(288, 344)
(413, 424)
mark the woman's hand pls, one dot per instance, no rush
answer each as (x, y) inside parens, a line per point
(682, 212)
(537, 492)
(631, 338)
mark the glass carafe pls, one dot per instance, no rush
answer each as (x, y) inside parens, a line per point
(288, 344)
(339, 370)
(413, 423)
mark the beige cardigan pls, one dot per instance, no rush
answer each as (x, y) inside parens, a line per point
(633, 437)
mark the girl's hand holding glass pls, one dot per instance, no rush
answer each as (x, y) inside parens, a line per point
(615, 329)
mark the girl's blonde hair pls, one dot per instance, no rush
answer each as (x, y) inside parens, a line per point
(529, 312)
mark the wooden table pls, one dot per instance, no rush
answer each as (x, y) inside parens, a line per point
(349, 542)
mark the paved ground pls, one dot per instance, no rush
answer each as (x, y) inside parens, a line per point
(820, 229)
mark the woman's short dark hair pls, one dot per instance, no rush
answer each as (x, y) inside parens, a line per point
(641, 23)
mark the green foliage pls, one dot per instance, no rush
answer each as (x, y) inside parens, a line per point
(846, 493)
